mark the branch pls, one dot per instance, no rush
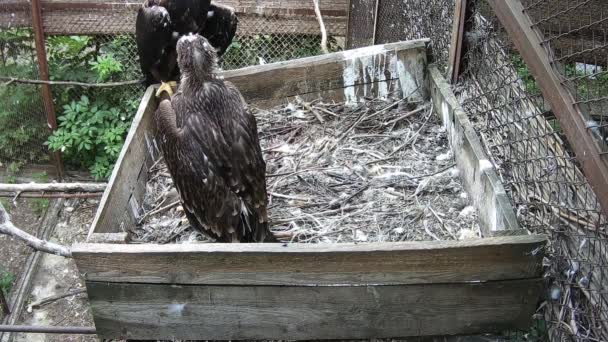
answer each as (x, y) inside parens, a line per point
(54, 187)
(43, 301)
(322, 26)
(9, 80)
(53, 195)
(7, 228)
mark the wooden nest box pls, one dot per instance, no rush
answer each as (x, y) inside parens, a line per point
(314, 291)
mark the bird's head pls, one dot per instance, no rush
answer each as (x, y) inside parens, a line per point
(196, 58)
(161, 18)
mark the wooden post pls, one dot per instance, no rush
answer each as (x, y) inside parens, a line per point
(361, 23)
(529, 43)
(43, 71)
(455, 56)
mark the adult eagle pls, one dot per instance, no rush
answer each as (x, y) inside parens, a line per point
(160, 23)
(210, 144)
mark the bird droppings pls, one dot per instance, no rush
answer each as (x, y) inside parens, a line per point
(381, 170)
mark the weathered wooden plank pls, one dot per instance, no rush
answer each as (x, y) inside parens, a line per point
(477, 172)
(145, 311)
(108, 238)
(362, 23)
(115, 212)
(500, 258)
(402, 61)
(369, 90)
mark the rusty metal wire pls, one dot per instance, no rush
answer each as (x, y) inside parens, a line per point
(525, 140)
(409, 19)
(22, 116)
(535, 161)
(576, 31)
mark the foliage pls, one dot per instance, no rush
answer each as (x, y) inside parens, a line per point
(588, 84)
(524, 73)
(93, 123)
(537, 333)
(91, 134)
(40, 205)
(23, 127)
(6, 281)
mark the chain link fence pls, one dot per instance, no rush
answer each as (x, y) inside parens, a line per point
(94, 43)
(22, 117)
(526, 143)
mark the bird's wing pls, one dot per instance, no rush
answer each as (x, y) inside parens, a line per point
(153, 34)
(200, 152)
(220, 27)
(249, 167)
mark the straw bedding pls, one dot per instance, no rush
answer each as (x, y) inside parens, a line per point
(378, 171)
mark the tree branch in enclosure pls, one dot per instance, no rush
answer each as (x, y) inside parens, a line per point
(53, 187)
(322, 26)
(7, 228)
(9, 80)
(52, 195)
(47, 300)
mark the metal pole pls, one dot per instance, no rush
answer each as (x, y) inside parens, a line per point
(43, 70)
(48, 330)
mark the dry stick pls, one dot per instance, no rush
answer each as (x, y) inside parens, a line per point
(426, 229)
(55, 195)
(54, 187)
(159, 210)
(43, 301)
(321, 26)
(314, 112)
(296, 198)
(441, 222)
(7, 228)
(10, 80)
(408, 114)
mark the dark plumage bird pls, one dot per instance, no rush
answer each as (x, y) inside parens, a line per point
(160, 23)
(210, 144)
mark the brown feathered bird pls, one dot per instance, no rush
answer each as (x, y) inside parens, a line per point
(160, 23)
(210, 144)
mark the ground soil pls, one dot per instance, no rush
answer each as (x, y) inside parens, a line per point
(58, 275)
(25, 214)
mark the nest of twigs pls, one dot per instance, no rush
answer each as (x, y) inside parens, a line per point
(378, 171)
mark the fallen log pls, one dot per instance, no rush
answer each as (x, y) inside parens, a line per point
(53, 187)
(7, 228)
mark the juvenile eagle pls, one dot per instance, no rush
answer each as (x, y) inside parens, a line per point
(160, 23)
(210, 144)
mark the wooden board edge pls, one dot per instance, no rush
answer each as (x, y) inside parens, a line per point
(333, 57)
(274, 248)
(478, 173)
(103, 204)
(281, 313)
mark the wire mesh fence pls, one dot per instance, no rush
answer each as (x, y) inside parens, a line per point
(22, 115)
(577, 34)
(94, 43)
(526, 143)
